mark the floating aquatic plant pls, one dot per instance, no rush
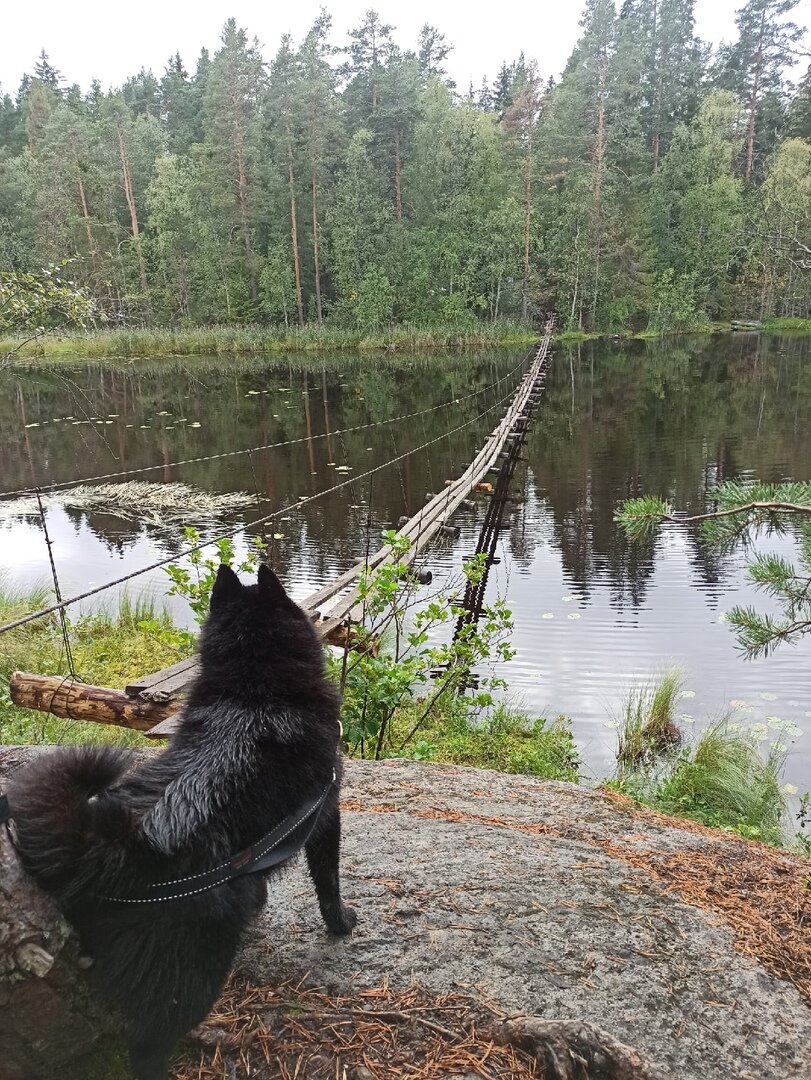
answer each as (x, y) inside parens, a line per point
(136, 500)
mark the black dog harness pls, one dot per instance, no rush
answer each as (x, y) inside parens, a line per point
(274, 848)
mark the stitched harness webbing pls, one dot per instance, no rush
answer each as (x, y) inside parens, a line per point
(280, 844)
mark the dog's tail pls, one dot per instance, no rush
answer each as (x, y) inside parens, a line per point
(61, 811)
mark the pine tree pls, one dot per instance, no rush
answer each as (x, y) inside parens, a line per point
(183, 249)
(180, 106)
(697, 205)
(360, 223)
(521, 120)
(233, 85)
(131, 145)
(142, 94)
(322, 132)
(753, 67)
(47, 74)
(432, 52)
(285, 92)
(501, 96)
(672, 68)
(10, 125)
(369, 49)
(396, 118)
(740, 511)
(798, 120)
(37, 108)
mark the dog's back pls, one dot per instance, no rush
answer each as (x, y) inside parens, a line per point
(259, 736)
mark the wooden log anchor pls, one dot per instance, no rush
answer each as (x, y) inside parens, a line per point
(79, 701)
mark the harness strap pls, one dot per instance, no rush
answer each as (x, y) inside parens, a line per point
(280, 844)
(274, 848)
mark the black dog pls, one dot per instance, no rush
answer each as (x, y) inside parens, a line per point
(258, 739)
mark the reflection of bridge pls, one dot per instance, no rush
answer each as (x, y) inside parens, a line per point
(148, 703)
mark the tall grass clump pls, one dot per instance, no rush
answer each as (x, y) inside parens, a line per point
(726, 783)
(110, 647)
(647, 728)
(720, 779)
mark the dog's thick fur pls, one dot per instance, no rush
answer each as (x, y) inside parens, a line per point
(259, 736)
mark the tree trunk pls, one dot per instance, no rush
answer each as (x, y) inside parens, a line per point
(49, 1017)
(599, 161)
(130, 197)
(398, 189)
(294, 230)
(242, 192)
(753, 102)
(599, 143)
(91, 240)
(242, 189)
(527, 219)
(316, 261)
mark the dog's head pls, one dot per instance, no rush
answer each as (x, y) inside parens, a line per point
(255, 620)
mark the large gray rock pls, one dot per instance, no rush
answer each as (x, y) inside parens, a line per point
(524, 891)
(547, 899)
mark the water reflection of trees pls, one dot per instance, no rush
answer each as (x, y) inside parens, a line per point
(302, 403)
(670, 418)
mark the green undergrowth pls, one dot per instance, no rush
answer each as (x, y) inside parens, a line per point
(720, 780)
(109, 647)
(787, 326)
(505, 740)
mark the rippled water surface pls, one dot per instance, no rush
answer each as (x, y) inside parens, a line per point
(592, 613)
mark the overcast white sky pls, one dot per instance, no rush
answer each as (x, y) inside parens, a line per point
(110, 41)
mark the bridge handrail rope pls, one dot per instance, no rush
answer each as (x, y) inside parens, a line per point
(67, 484)
(192, 549)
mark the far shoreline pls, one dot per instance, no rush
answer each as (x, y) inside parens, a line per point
(254, 340)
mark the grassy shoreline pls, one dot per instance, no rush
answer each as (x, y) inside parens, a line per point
(254, 340)
(259, 340)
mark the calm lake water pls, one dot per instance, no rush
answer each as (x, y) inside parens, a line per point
(593, 614)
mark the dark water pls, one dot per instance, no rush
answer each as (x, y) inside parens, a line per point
(593, 614)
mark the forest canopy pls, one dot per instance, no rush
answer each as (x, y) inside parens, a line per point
(658, 183)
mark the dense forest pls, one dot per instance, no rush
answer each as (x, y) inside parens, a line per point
(659, 182)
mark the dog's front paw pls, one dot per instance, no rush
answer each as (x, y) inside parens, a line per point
(340, 920)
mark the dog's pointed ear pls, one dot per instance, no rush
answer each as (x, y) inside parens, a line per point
(270, 586)
(226, 587)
